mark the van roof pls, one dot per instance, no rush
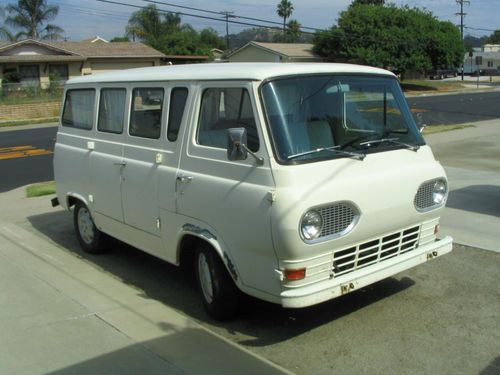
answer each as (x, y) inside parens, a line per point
(224, 71)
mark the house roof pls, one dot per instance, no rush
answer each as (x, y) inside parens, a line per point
(82, 49)
(297, 50)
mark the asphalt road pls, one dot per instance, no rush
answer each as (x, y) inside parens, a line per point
(26, 157)
(456, 109)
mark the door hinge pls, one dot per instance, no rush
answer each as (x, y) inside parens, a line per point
(271, 196)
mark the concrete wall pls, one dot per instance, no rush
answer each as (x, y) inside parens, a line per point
(27, 111)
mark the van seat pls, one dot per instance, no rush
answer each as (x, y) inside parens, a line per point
(320, 134)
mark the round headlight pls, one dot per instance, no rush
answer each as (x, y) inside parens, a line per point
(439, 192)
(311, 225)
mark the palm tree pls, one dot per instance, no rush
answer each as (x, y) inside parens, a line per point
(31, 15)
(293, 31)
(284, 10)
(145, 24)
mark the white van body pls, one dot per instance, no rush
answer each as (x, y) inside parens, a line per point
(292, 224)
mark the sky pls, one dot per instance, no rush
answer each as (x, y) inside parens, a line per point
(86, 18)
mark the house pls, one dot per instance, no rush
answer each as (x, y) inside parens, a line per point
(33, 61)
(485, 59)
(274, 52)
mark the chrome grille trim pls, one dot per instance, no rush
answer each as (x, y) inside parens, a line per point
(375, 251)
(423, 200)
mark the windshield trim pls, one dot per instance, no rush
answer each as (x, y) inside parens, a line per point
(389, 147)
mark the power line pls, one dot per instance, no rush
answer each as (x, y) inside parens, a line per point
(235, 16)
(196, 15)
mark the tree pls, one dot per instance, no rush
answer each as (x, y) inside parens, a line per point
(494, 38)
(31, 16)
(368, 2)
(401, 39)
(120, 39)
(284, 10)
(166, 33)
(292, 31)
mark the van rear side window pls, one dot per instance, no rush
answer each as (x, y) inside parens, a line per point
(145, 117)
(178, 99)
(79, 109)
(111, 110)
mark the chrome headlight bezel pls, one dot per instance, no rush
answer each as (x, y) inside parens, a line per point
(431, 195)
(440, 192)
(311, 225)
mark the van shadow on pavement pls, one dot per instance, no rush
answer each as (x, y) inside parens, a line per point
(266, 323)
(482, 199)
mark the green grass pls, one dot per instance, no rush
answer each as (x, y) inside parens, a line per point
(37, 190)
(431, 129)
(418, 86)
(28, 122)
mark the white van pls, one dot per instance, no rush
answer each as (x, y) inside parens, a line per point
(293, 183)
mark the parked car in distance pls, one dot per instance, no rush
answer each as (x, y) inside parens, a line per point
(443, 73)
(490, 72)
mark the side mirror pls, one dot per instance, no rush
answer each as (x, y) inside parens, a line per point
(236, 144)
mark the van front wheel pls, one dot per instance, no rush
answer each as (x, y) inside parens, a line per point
(90, 238)
(218, 291)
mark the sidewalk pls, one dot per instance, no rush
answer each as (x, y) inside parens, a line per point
(471, 158)
(61, 314)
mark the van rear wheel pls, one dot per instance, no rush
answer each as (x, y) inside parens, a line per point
(219, 293)
(90, 238)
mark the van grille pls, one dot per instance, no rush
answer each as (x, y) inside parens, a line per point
(338, 219)
(375, 251)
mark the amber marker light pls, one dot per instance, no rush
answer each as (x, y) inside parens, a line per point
(293, 275)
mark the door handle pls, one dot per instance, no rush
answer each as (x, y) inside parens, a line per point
(182, 178)
(121, 164)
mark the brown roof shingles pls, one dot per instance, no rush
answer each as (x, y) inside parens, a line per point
(85, 50)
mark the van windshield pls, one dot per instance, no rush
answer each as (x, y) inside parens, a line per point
(337, 116)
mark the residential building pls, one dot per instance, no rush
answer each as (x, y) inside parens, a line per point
(487, 58)
(274, 52)
(34, 61)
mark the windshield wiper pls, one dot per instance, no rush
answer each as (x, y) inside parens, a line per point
(355, 155)
(391, 140)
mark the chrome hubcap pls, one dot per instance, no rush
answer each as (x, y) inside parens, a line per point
(85, 226)
(205, 278)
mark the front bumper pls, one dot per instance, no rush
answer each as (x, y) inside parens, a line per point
(338, 286)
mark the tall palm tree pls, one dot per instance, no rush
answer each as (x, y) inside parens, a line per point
(31, 16)
(284, 10)
(145, 24)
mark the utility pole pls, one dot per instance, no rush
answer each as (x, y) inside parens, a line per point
(462, 15)
(227, 14)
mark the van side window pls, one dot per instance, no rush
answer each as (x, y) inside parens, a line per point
(111, 110)
(78, 109)
(178, 99)
(145, 116)
(224, 108)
